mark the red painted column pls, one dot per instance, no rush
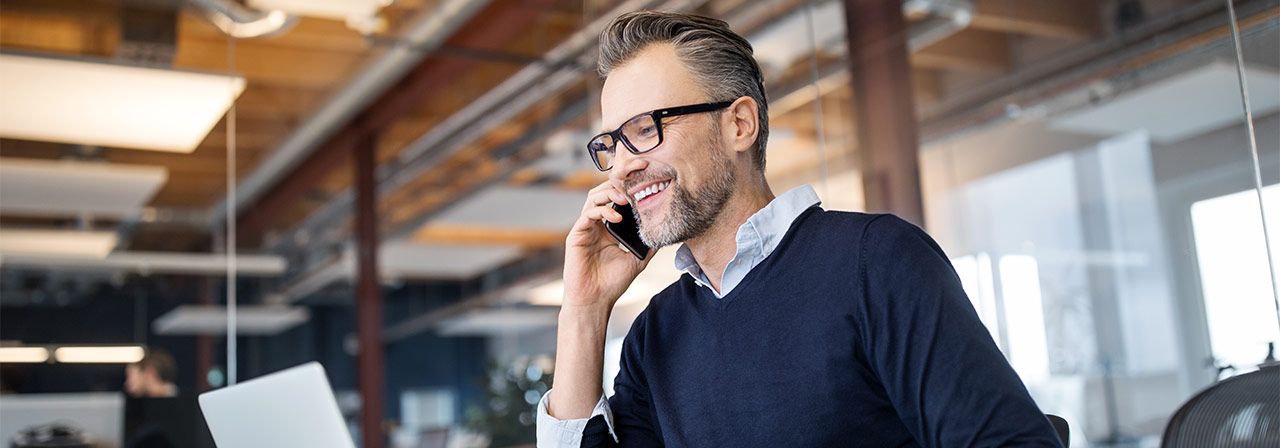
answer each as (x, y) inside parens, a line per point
(368, 294)
(884, 105)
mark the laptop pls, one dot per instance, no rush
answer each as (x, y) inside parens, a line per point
(292, 407)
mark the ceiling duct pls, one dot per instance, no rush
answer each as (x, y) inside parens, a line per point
(240, 22)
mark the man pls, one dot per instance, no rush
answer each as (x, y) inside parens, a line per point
(152, 376)
(794, 326)
(155, 414)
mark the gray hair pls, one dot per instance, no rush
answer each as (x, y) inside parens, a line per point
(720, 59)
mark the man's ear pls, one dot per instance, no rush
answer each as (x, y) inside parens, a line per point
(744, 116)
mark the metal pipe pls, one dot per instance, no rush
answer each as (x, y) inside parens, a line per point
(431, 28)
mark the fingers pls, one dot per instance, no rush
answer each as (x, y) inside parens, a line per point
(602, 212)
(604, 194)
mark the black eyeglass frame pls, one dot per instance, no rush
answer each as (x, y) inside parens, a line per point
(657, 116)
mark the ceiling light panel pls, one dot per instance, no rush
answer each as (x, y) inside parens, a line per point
(101, 104)
(99, 355)
(328, 9)
(257, 320)
(398, 259)
(499, 322)
(23, 355)
(531, 208)
(68, 188)
(66, 243)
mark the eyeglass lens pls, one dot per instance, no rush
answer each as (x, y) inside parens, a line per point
(640, 132)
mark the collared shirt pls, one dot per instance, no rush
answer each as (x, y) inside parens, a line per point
(756, 240)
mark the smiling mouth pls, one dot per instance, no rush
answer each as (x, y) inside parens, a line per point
(651, 190)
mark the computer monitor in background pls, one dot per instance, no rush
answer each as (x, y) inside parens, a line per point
(98, 415)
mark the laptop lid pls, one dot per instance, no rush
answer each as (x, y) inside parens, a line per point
(292, 407)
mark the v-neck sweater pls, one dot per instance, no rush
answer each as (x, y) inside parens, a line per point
(854, 332)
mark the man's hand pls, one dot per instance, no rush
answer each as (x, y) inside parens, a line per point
(596, 270)
(596, 273)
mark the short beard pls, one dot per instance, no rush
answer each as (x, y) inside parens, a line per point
(693, 215)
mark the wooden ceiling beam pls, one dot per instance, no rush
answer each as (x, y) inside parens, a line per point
(1075, 19)
(55, 33)
(268, 64)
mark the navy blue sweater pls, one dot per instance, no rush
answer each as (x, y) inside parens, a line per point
(854, 332)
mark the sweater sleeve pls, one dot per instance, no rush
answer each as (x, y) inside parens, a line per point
(947, 380)
(633, 419)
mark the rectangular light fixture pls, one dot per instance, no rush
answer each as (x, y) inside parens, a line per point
(492, 322)
(95, 103)
(64, 243)
(66, 188)
(151, 262)
(326, 9)
(23, 355)
(257, 320)
(99, 355)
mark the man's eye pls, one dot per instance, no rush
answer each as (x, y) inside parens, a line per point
(648, 131)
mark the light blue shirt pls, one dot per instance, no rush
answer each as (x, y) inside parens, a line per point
(757, 238)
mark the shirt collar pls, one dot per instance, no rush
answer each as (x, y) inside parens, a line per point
(769, 224)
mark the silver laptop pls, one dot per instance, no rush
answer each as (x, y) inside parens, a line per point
(292, 407)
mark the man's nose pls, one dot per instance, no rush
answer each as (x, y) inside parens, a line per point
(625, 163)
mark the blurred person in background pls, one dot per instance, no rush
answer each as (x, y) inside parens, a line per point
(152, 376)
(153, 412)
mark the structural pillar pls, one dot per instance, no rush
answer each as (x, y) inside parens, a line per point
(884, 104)
(368, 294)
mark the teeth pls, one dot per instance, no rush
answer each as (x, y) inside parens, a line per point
(651, 190)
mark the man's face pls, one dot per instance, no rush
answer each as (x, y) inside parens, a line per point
(692, 167)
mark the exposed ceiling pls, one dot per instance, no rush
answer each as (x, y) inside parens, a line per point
(477, 133)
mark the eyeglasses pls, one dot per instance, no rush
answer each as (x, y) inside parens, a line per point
(641, 133)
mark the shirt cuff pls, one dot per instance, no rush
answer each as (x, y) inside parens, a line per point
(555, 433)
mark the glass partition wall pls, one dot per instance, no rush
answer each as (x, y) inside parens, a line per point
(1107, 225)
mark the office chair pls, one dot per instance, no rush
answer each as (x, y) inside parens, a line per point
(1238, 412)
(1061, 427)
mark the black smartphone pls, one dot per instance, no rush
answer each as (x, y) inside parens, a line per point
(627, 232)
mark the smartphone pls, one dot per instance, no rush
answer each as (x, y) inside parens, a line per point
(627, 232)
